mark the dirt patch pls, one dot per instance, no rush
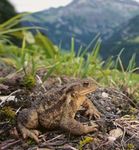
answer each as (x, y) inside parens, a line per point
(118, 125)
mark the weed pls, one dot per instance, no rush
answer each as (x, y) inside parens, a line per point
(29, 81)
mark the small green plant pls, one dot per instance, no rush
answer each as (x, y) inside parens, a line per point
(130, 146)
(85, 141)
(29, 81)
(30, 142)
(8, 113)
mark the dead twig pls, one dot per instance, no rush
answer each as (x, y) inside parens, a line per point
(9, 144)
(57, 137)
(10, 97)
(39, 80)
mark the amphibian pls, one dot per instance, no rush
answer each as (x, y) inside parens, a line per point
(57, 110)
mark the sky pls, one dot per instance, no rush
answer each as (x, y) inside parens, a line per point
(37, 5)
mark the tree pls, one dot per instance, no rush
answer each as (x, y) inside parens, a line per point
(6, 10)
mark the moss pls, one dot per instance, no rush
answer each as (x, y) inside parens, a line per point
(130, 146)
(2, 79)
(8, 113)
(30, 142)
(29, 81)
(133, 110)
(85, 141)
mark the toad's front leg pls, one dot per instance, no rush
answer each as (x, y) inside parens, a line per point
(69, 123)
(27, 121)
(91, 110)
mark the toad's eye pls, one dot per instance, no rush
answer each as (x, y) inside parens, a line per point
(85, 84)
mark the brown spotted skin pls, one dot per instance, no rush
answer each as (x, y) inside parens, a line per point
(57, 110)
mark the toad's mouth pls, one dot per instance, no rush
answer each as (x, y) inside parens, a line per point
(87, 90)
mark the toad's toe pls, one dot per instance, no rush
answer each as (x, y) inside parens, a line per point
(29, 133)
(92, 113)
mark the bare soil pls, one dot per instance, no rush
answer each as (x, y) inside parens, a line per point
(118, 125)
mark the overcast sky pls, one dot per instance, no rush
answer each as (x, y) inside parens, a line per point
(37, 5)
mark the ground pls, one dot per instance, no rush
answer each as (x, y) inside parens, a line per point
(118, 125)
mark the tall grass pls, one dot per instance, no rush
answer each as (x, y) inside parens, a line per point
(38, 51)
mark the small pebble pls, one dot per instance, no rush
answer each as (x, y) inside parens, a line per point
(105, 95)
(108, 108)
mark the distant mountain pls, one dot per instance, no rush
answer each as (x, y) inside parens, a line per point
(126, 37)
(83, 19)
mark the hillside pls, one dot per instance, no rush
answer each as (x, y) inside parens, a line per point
(83, 19)
(126, 37)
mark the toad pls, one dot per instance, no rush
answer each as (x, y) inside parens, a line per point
(57, 109)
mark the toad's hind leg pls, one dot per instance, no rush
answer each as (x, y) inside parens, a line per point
(77, 128)
(27, 120)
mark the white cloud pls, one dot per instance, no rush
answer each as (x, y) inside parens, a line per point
(37, 5)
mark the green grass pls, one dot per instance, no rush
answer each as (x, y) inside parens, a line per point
(38, 51)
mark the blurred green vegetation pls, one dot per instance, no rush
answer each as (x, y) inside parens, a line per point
(38, 51)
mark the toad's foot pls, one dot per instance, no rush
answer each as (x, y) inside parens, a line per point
(92, 113)
(77, 128)
(29, 133)
(27, 120)
(91, 110)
